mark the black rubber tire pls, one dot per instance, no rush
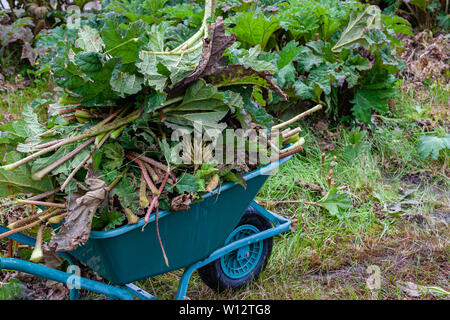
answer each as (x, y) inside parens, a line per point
(213, 275)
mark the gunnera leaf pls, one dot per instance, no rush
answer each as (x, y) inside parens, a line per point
(210, 69)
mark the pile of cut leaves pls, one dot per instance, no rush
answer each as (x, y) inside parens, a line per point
(101, 155)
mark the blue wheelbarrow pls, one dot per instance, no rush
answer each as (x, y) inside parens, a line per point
(227, 237)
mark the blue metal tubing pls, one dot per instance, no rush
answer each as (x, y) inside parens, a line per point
(281, 225)
(63, 277)
(25, 239)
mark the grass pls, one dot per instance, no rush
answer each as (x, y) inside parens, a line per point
(326, 257)
(15, 98)
(398, 220)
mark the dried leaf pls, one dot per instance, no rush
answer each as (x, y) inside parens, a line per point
(77, 227)
(181, 202)
(209, 66)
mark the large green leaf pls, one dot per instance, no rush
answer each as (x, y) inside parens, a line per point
(126, 84)
(89, 62)
(98, 91)
(89, 39)
(123, 44)
(336, 203)
(373, 95)
(19, 180)
(253, 29)
(355, 33)
(432, 145)
(187, 183)
(202, 96)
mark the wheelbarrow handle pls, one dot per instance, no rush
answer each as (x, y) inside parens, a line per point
(63, 277)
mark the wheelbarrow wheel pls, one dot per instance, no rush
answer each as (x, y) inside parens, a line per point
(238, 268)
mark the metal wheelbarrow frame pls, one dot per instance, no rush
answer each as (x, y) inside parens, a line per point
(122, 266)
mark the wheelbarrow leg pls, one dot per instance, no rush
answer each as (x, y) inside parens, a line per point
(184, 282)
(64, 277)
(25, 239)
(280, 224)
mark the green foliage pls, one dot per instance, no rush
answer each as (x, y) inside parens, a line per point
(113, 155)
(107, 220)
(12, 290)
(430, 146)
(422, 14)
(16, 44)
(349, 50)
(336, 203)
(187, 183)
(253, 29)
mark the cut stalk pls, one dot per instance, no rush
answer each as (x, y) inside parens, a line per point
(57, 219)
(108, 119)
(44, 195)
(27, 220)
(81, 164)
(131, 217)
(290, 132)
(296, 145)
(89, 133)
(155, 199)
(159, 237)
(284, 155)
(47, 144)
(43, 172)
(43, 203)
(37, 253)
(149, 161)
(147, 179)
(28, 226)
(46, 133)
(155, 177)
(143, 200)
(296, 118)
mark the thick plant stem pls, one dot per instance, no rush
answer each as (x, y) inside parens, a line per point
(284, 155)
(89, 133)
(20, 229)
(43, 172)
(37, 253)
(296, 145)
(159, 237)
(149, 211)
(210, 8)
(152, 173)
(144, 171)
(43, 203)
(47, 144)
(44, 195)
(29, 226)
(81, 164)
(143, 200)
(296, 118)
(155, 200)
(27, 220)
(108, 119)
(290, 133)
(149, 161)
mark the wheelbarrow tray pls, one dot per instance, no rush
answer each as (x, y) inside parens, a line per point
(128, 254)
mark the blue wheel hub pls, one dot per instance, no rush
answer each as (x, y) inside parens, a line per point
(239, 263)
